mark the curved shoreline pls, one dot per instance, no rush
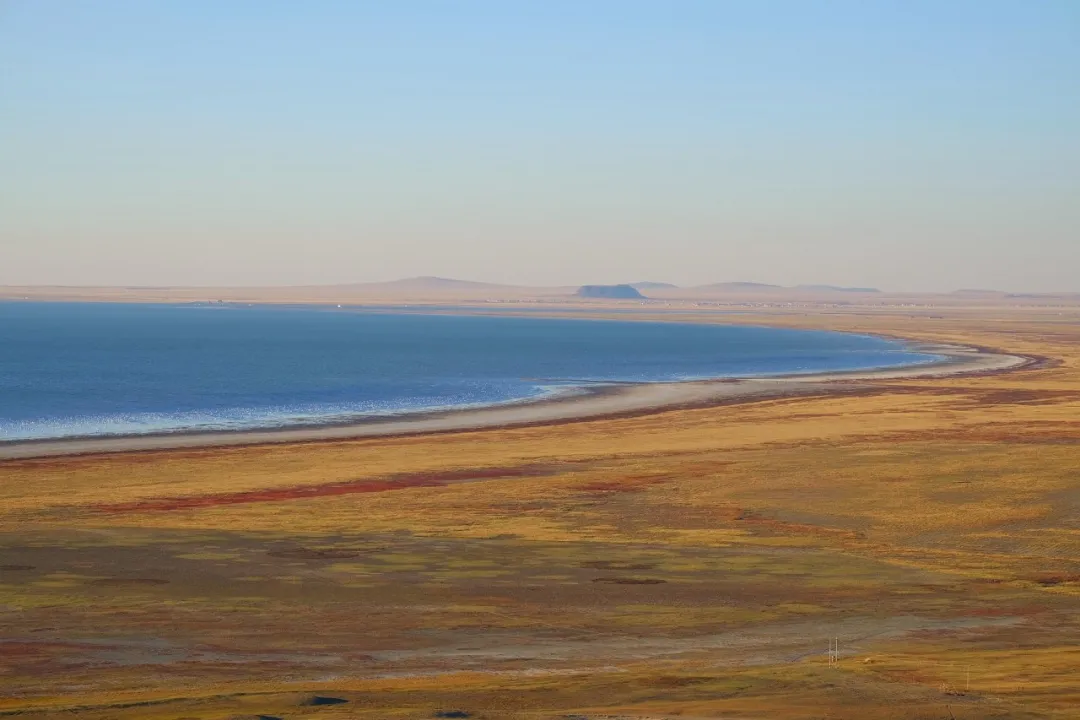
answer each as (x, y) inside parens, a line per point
(590, 404)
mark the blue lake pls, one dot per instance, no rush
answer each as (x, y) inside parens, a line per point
(81, 369)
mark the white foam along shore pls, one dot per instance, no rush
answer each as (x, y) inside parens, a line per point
(602, 401)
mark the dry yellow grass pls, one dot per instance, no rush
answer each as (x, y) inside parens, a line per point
(691, 563)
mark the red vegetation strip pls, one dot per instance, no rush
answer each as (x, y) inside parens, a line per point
(394, 482)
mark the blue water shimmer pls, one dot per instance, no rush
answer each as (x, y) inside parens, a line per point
(83, 369)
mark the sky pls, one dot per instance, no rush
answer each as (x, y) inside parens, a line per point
(911, 145)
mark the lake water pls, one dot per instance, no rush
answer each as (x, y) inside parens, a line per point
(82, 369)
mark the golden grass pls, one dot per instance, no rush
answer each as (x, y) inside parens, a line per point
(689, 563)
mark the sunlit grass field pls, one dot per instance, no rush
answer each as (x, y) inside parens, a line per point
(690, 563)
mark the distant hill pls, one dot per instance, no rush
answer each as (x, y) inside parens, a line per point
(836, 288)
(609, 292)
(653, 286)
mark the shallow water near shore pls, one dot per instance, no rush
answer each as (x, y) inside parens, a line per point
(98, 369)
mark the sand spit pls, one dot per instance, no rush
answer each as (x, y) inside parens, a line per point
(589, 403)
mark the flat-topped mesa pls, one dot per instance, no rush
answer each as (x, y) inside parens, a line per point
(610, 292)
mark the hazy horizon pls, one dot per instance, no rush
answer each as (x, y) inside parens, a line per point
(910, 147)
(432, 282)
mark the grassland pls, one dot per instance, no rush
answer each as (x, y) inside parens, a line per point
(690, 563)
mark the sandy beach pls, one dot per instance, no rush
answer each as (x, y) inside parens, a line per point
(588, 403)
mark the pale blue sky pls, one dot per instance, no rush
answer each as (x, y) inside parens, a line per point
(910, 145)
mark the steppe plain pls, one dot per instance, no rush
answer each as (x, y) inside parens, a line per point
(693, 563)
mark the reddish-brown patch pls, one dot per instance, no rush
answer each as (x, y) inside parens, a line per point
(11, 649)
(394, 482)
(753, 518)
(629, 581)
(676, 681)
(626, 485)
(1049, 579)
